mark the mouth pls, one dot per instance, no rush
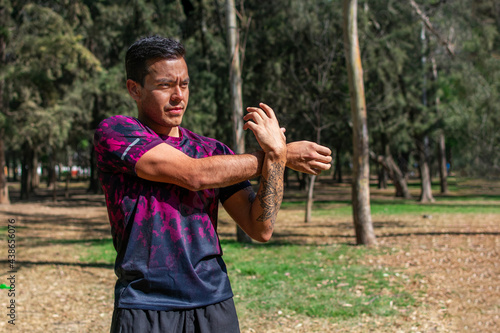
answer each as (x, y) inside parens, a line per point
(177, 110)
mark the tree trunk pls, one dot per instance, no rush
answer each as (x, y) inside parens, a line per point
(425, 177)
(68, 175)
(310, 199)
(361, 173)
(26, 172)
(337, 174)
(14, 166)
(383, 173)
(400, 182)
(382, 177)
(235, 78)
(50, 170)
(312, 181)
(302, 179)
(51, 177)
(395, 173)
(443, 172)
(94, 185)
(236, 92)
(422, 141)
(4, 189)
(35, 177)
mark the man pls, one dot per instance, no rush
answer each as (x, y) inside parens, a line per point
(163, 184)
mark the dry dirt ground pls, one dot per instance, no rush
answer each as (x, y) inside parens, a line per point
(456, 257)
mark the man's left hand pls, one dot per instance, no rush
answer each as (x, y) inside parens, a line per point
(308, 157)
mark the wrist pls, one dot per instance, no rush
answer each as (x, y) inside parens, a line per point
(278, 154)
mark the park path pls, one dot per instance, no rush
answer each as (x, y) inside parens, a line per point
(455, 257)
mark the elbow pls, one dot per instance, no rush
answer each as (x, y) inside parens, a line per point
(195, 182)
(263, 237)
(192, 185)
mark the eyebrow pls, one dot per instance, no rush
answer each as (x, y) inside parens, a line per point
(171, 81)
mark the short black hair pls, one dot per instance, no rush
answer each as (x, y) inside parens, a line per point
(139, 55)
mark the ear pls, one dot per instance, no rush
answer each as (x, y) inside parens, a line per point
(134, 89)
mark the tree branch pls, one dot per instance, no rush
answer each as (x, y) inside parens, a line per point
(429, 27)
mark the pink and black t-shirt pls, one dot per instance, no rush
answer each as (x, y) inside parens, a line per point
(168, 250)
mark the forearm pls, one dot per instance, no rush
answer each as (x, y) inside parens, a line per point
(265, 207)
(168, 165)
(225, 170)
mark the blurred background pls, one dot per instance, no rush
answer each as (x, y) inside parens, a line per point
(431, 72)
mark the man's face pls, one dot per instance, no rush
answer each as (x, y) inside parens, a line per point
(164, 97)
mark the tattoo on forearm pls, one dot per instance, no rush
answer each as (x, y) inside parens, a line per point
(272, 194)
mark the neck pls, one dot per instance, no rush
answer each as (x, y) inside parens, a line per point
(162, 130)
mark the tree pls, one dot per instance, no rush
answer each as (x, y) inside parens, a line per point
(394, 172)
(307, 89)
(48, 63)
(361, 173)
(4, 34)
(233, 47)
(236, 94)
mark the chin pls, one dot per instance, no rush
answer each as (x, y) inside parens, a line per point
(173, 122)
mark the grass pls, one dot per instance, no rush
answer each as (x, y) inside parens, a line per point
(444, 205)
(333, 282)
(316, 281)
(97, 251)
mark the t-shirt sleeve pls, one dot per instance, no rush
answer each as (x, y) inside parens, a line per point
(226, 192)
(120, 142)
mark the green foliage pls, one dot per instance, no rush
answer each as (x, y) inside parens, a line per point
(50, 61)
(295, 63)
(64, 71)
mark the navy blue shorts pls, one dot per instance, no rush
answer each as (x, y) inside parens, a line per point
(217, 318)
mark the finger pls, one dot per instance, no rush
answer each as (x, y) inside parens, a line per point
(283, 130)
(323, 150)
(251, 126)
(312, 171)
(320, 166)
(268, 110)
(323, 158)
(260, 112)
(315, 172)
(255, 116)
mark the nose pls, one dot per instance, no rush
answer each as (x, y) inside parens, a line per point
(178, 94)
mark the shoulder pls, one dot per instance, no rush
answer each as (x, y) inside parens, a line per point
(118, 126)
(119, 121)
(117, 131)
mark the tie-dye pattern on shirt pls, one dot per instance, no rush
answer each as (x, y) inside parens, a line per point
(168, 250)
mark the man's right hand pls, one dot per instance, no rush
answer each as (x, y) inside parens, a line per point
(264, 124)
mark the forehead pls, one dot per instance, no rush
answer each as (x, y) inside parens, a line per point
(171, 68)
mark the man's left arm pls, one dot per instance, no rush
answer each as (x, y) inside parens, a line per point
(256, 213)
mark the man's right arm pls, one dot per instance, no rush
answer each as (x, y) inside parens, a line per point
(166, 164)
